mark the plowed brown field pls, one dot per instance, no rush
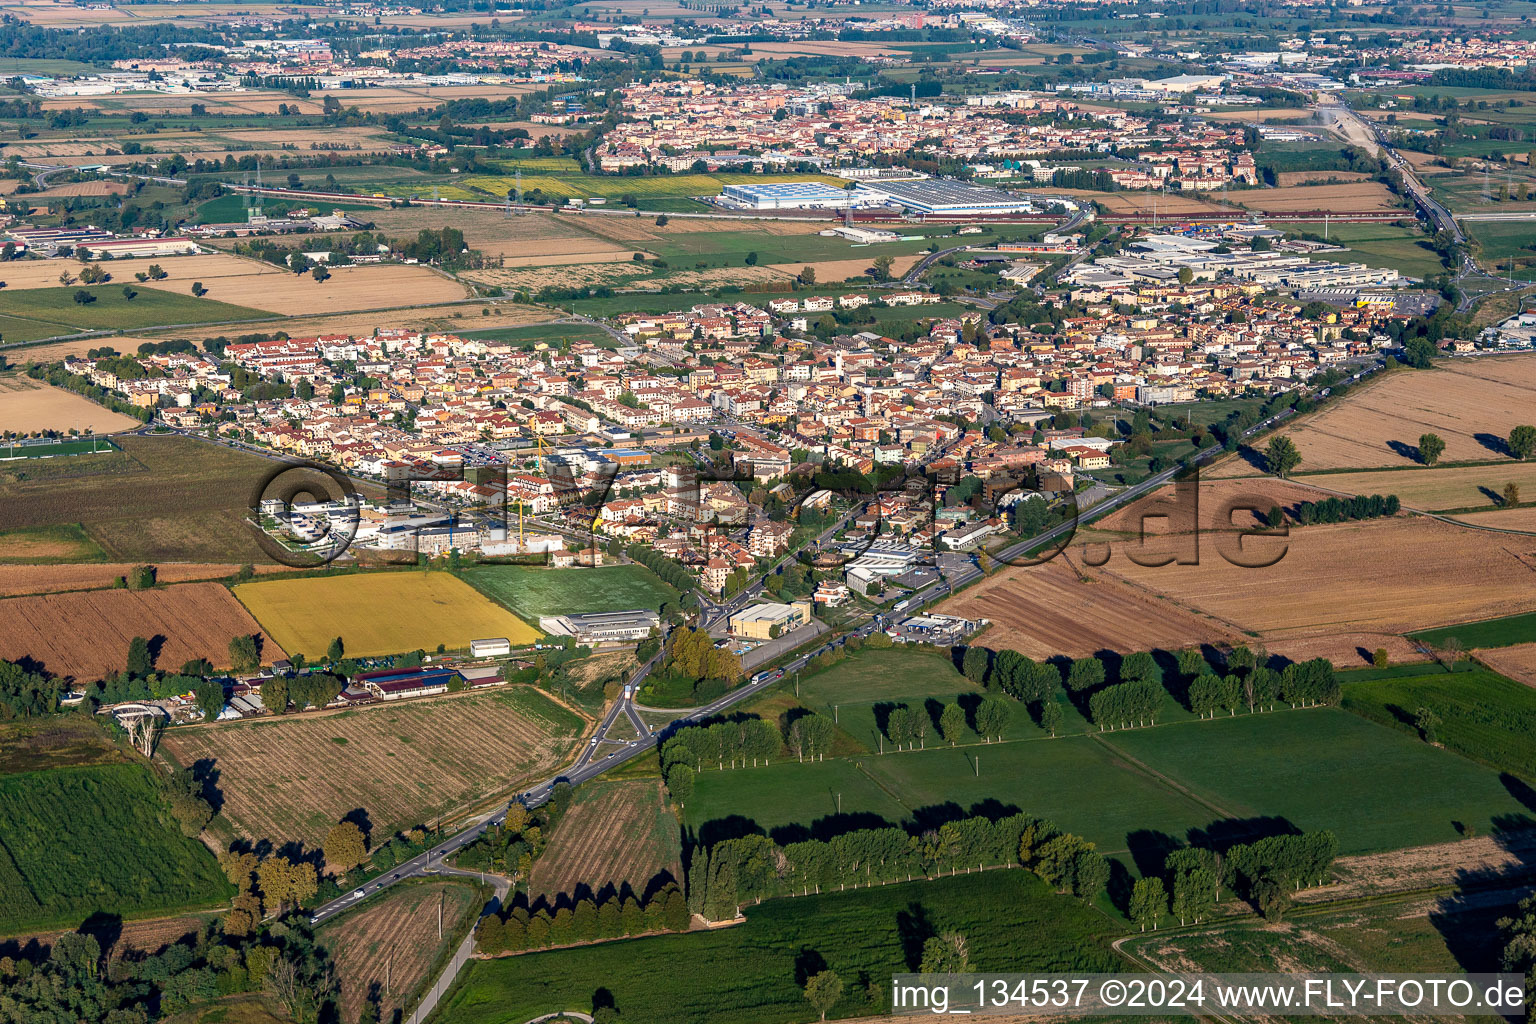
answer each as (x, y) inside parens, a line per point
(1045, 610)
(84, 636)
(291, 778)
(394, 940)
(1353, 584)
(16, 580)
(617, 834)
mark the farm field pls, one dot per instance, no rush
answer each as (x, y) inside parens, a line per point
(1517, 661)
(263, 286)
(84, 635)
(1404, 249)
(110, 310)
(1334, 594)
(58, 821)
(43, 574)
(1427, 935)
(393, 938)
(48, 545)
(531, 235)
(1522, 518)
(28, 405)
(378, 613)
(532, 592)
(1356, 197)
(748, 974)
(1471, 404)
(160, 499)
(402, 765)
(789, 800)
(1135, 202)
(617, 835)
(1435, 488)
(1500, 632)
(1315, 768)
(1326, 768)
(1046, 610)
(1484, 716)
(1501, 241)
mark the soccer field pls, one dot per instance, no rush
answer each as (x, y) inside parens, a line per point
(531, 591)
(378, 613)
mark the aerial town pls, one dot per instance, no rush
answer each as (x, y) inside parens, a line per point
(907, 507)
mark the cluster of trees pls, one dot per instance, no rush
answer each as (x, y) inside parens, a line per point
(72, 984)
(26, 694)
(754, 867)
(1263, 872)
(441, 246)
(512, 847)
(586, 921)
(1343, 510)
(1126, 705)
(739, 739)
(692, 654)
(1518, 954)
(673, 574)
(308, 690)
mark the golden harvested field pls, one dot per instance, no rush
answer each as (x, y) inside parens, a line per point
(642, 229)
(28, 405)
(1471, 404)
(1360, 197)
(1165, 511)
(19, 274)
(1045, 610)
(1518, 662)
(828, 271)
(290, 778)
(81, 188)
(618, 836)
(1288, 178)
(245, 282)
(1435, 488)
(1350, 585)
(16, 580)
(379, 613)
(84, 636)
(393, 938)
(1523, 518)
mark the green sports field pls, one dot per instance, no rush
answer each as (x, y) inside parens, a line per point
(753, 973)
(530, 591)
(56, 311)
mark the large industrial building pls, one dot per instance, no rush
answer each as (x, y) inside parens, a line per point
(603, 627)
(787, 195)
(943, 197)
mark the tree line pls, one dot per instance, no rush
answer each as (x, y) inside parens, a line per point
(1263, 872)
(1344, 510)
(754, 867)
(586, 921)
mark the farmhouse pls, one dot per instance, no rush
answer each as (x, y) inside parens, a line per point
(398, 684)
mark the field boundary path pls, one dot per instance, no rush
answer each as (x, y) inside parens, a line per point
(466, 949)
(1152, 773)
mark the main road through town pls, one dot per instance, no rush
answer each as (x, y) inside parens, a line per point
(601, 754)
